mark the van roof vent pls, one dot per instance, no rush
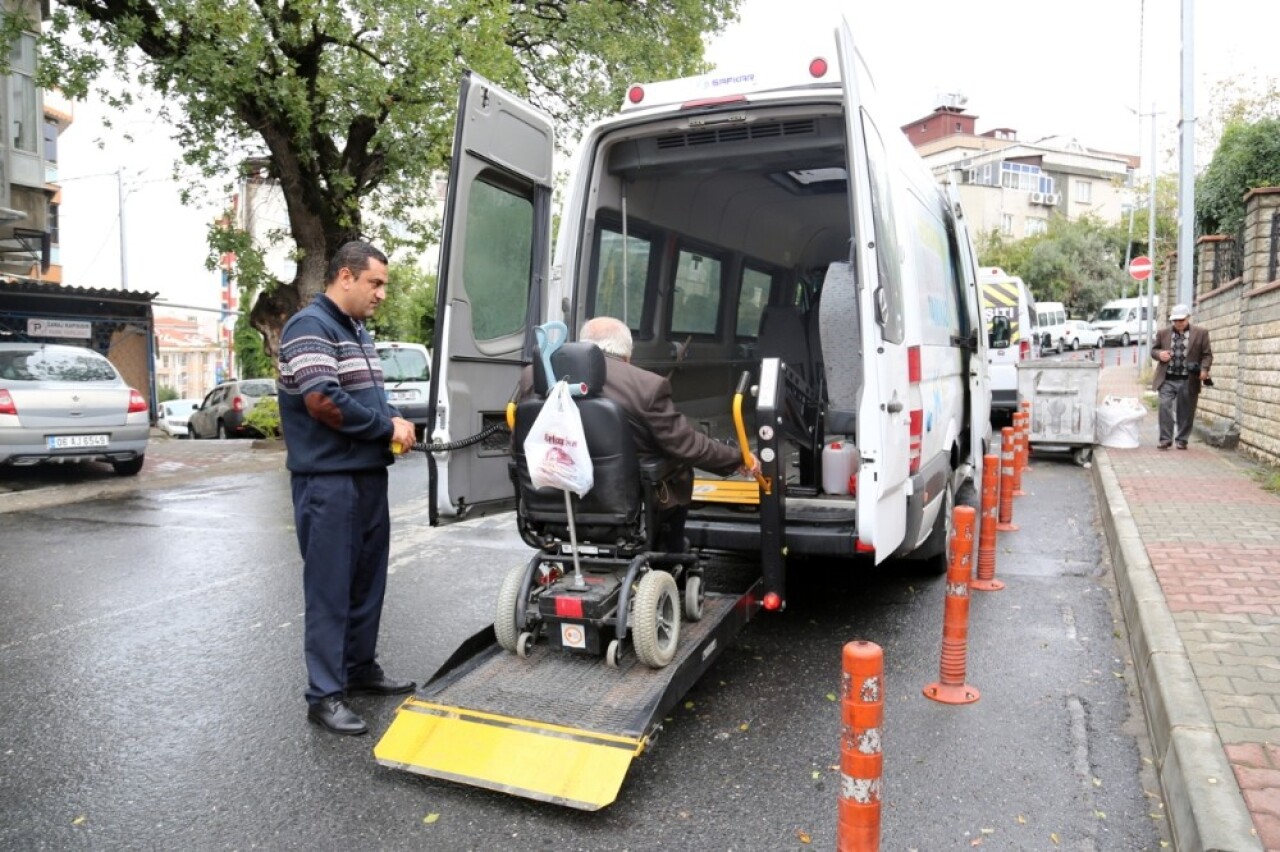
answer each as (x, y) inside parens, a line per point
(737, 133)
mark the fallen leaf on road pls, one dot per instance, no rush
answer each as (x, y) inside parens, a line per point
(78, 820)
(831, 696)
(816, 775)
(1054, 837)
(1022, 820)
(1097, 782)
(803, 836)
(688, 705)
(430, 818)
(744, 726)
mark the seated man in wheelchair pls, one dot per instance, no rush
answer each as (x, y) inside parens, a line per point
(643, 452)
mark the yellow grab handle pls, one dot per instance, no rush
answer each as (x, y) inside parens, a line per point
(748, 460)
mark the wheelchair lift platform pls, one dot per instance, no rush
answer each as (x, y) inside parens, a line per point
(554, 726)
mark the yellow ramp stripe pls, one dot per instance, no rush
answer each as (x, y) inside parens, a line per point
(740, 491)
(538, 760)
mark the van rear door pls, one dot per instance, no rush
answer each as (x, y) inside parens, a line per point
(975, 329)
(883, 419)
(494, 259)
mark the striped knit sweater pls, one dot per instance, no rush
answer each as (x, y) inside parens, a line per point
(333, 407)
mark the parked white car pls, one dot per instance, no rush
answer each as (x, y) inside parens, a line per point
(1077, 333)
(172, 416)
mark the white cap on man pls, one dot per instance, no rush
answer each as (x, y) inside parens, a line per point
(1179, 312)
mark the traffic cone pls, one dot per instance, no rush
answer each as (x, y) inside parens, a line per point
(950, 687)
(861, 755)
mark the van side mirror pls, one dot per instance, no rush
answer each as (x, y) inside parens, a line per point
(1000, 334)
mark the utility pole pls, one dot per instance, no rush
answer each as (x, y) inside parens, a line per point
(124, 263)
(1149, 318)
(1187, 166)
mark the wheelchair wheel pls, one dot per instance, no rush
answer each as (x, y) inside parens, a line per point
(655, 619)
(693, 598)
(504, 618)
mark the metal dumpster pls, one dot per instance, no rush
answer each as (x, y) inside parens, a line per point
(1064, 402)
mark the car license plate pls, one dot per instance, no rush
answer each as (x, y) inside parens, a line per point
(73, 442)
(401, 396)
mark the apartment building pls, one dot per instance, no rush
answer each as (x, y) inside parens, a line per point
(187, 359)
(1014, 187)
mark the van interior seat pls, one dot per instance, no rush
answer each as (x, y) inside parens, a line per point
(784, 334)
(841, 350)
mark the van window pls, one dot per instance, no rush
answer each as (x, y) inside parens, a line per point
(886, 242)
(753, 295)
(931, 261)
(612, 297)
(498, 258)
(696, 304)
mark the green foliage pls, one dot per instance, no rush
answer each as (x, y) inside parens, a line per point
(265, 417)
(350, 103)
(1247, 157)
(164, 393)
(409, 312)
(251, 355)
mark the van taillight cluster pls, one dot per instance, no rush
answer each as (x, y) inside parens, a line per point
(916, 442)
(1024, 349)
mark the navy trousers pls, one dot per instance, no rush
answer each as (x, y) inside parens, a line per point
(344, 533)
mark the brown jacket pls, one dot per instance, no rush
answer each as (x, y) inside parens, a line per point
(1199, 351)
(658, 428)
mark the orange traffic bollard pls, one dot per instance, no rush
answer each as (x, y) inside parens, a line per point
(950, 687)
(1007, 465)
(861, 756)
(986, 581)
(1019, 452)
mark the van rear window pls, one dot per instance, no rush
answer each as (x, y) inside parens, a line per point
(696, 308)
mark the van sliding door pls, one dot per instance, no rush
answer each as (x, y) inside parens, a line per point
(883, 417)
(494, 259)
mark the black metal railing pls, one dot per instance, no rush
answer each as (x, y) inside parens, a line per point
(1273, 251)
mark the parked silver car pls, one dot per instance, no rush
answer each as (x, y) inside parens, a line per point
(68, 404)
(172, 416)
(221, 414)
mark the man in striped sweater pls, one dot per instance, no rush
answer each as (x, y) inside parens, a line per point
(338, 430)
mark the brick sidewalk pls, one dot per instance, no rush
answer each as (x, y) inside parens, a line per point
(1211, 537)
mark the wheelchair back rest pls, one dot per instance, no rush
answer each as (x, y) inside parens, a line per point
(612, 508)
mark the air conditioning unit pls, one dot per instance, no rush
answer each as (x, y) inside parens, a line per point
(1037, 198)
(1051, 198)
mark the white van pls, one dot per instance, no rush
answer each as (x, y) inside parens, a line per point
(406, 374)
(1051, 326)
(778, 227)
(1009, 341)
(1121, 321)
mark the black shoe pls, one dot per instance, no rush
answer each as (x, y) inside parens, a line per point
(380, 684)
(334, 714)
(1182, 445)
(1163, 445)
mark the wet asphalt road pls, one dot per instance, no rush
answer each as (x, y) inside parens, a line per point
(150, 648)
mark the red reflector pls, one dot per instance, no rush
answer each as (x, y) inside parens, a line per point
(635, 94)
(706, 102)
(917, 423)
(6, 403)
(913, 365)
(136, 402)
(569, 607)
(863, 547)
(1024, 350)
(772, 602)
(818, 67)
(916, 443)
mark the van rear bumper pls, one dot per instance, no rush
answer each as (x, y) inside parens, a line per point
(743, 537)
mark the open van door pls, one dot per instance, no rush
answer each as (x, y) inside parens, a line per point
(883, 416)
(979, 389)
(494, 260)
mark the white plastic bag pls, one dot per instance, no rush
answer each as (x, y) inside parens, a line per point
(1119, 419)
(556, 447)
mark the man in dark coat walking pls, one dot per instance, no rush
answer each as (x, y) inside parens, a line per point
(1183, 356)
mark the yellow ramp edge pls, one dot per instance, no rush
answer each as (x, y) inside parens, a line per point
(537, 760)
(745, 492)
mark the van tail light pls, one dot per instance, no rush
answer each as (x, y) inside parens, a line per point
(136, 402)
(237, 404)
(1024, 349)
(916, 422)
(6, 403)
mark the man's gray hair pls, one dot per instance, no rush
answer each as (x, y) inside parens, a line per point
(611, 335)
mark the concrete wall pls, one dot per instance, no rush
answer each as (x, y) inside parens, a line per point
(1243, 318)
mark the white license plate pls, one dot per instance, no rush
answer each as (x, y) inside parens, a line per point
(74, 442)
(401, 396)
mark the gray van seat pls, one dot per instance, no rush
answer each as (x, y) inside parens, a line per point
(841, 350)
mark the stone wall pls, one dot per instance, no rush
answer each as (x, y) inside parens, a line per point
(1243, 318)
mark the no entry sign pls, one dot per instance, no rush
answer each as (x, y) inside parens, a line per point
(1140, 268)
